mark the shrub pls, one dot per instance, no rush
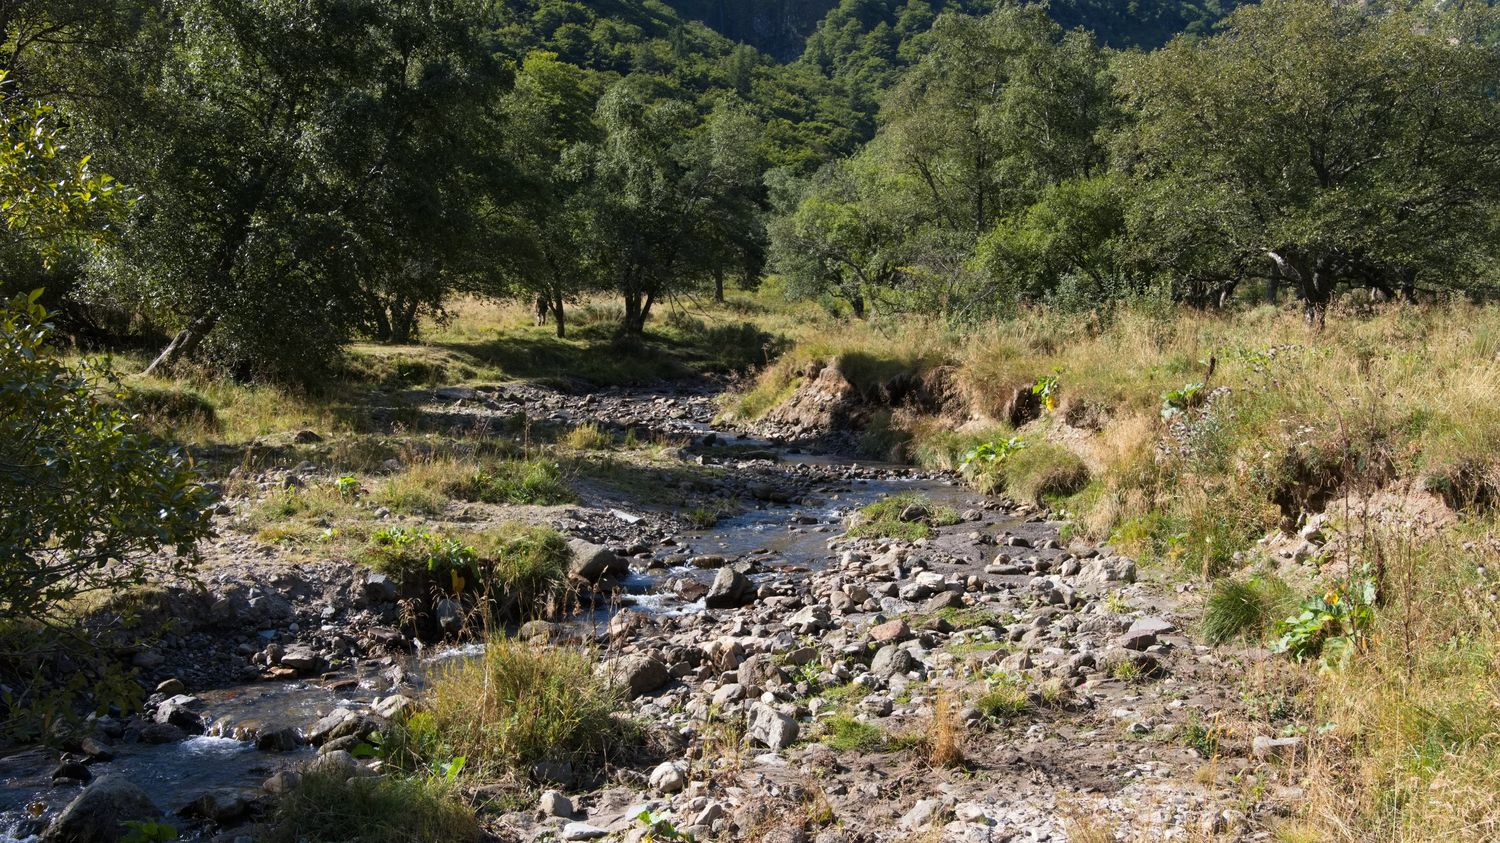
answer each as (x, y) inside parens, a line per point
(519, 704)
(91, 504)
(384, 809)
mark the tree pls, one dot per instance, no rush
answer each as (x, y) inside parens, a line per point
(1071, 235)
(841, 238)
(91, 503)
(999, 108)
(727, 154)
(1328, 143)
(280, 149)
(549, 117)
(658, 179)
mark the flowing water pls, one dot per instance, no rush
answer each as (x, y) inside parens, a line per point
(787, 537)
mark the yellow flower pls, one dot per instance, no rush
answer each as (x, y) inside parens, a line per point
(1331, 598)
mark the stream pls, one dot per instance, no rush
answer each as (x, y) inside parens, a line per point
(785, 539)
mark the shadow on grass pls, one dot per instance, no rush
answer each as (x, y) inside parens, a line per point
(599, 356)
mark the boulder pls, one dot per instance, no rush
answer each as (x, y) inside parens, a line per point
(890, 632)
(301, 658)
(636, 673)
(770, 728)
(729, 590)
(891, 660)
(98, 814)
(182, 711)
(808, 620)
(668, 777)
(555, 804)
(380, 589)
(591, 561)
(220, 806)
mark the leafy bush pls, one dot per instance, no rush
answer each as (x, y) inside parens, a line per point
(1330, 626)
(91, 503)
(519, 704)
(384, 809)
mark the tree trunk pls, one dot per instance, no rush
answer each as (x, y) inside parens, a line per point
(557, 314)
(182, 346)
(403, 321)
(719, 284)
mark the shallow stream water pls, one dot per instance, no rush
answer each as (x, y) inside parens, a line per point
(174, 774)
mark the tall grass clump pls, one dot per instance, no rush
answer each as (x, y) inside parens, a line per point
(1413, 747)
(587, 437)
(533, 481)
(383, 809)
(519, 704)
(519, 570)
(1238, 610)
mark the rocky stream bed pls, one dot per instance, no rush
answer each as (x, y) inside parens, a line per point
(273, 666)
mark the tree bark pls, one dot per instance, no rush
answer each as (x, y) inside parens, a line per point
(182, 346)
(719, 284)
(558, 318)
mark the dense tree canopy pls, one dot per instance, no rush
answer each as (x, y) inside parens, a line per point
(307, 171)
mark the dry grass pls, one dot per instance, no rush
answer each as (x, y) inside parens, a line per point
(1415, 749)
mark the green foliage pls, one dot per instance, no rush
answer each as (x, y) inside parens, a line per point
(148, 832)
(379, 809)
(93, 504)
(519, 704)
(1241, 610)
(524, 481)
(987, 455)
(1280, 146)
(1006, 700)
(1330, 627)
(907, 515)
(517, 568)
(849, 734)
(1176, 402)
(660, 828)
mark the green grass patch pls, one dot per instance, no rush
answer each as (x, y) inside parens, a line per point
(534, 481)
(384, 809)
(519, 704)
(908, 516)
(848, 734)
(517, 567)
